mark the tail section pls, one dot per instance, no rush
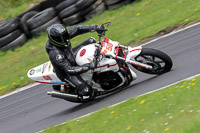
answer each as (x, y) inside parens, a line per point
(44, 73)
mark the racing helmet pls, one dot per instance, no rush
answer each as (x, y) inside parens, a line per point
(58, 35)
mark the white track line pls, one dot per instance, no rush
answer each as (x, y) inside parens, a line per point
(19, 90)
(173, 32)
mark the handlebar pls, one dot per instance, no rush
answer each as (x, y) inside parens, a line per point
(103, 31)
(107, 24)
(101, 34)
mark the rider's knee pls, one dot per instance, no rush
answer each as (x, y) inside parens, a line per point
(91, 40)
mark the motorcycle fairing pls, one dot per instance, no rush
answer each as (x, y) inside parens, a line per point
(86, 55)
(133, 52)
(44, 73)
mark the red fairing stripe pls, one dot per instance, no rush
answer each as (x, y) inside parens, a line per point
(106, 40)
(117, 51)
(51, 83)
(135, 50)
(106, 65)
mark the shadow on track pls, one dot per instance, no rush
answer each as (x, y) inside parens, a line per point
(81, 106)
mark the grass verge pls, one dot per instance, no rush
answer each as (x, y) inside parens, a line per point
(174, 109)
(12, 8)
(131, 23)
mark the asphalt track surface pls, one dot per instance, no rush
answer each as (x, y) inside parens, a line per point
(33, 110)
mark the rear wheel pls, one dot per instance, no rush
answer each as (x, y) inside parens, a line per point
(160, 61)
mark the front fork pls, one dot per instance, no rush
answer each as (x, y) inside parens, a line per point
(130, 56)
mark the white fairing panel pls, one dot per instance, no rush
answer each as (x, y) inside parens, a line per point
(107, 65)
(44, 74)
(133, 52)
(86, 55)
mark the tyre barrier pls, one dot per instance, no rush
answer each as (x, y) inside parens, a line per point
(113, 4)
(42, 28)
(40, 21)
(11, 35)
(16, 31)
(23, 22)
(98, 8)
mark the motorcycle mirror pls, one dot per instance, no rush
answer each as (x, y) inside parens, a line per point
(107, 24)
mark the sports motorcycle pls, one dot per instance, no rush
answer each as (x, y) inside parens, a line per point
(113, 67)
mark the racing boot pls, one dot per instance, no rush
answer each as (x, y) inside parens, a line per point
(86, 92)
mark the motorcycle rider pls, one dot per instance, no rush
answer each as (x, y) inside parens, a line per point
(62, 56)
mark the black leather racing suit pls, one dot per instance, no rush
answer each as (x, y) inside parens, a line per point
(63, 61)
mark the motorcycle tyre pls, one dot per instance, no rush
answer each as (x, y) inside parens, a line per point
(9, 26)
(23, 24)
(42, 28)
(69, 11)
(99, 9)
(10, 37)
(41, 18)
(16, 43)
(111, 2)
(158, 54)
(83, 4)
(65, 4)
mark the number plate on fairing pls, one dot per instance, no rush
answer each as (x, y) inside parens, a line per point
(108, 47)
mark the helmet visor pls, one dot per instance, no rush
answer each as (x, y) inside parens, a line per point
(65, 36)
(58, 39)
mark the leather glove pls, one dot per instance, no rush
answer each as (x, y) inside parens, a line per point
(100, 29)
(93, 64)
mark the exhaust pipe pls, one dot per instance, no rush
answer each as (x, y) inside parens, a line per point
(64, 96)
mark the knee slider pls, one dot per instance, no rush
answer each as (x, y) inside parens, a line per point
(91, 40)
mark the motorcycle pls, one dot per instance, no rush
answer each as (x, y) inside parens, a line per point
(113, 68)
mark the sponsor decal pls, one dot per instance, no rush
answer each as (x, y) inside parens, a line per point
(32, 71)
(82, 53)
(53, 82)
(49, 66)
(44, 67)
(90, 60)
(109, 46)
(47, 77)
(104, 52)
(57, 82)
(59, 57)
(38, 70)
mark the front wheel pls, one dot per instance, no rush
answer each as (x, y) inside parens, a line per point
(160, 61)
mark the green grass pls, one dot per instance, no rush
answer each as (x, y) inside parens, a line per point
(174, 109)
(131, 23)
(12, 8)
